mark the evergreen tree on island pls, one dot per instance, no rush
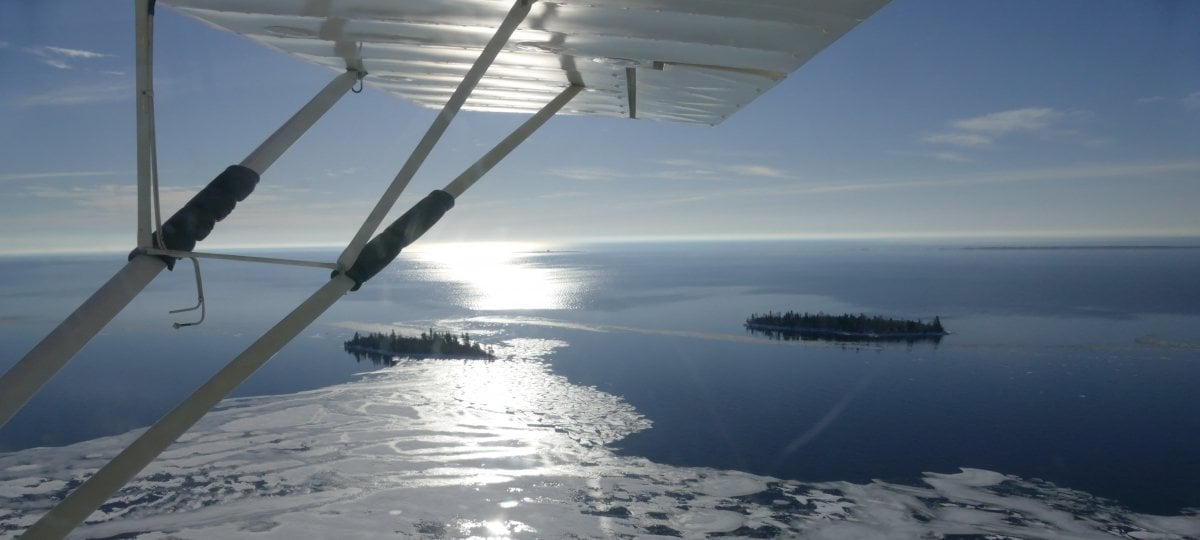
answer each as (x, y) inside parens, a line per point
(855, 327)
(431, 343)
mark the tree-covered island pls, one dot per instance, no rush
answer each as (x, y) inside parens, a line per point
(383, 348)
(847, 327)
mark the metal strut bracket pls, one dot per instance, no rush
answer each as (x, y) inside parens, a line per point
(199, 298)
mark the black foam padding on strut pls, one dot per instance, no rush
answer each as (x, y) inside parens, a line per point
(196, 219)
(382, 249)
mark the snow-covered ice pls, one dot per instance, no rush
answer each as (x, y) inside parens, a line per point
(508, 449)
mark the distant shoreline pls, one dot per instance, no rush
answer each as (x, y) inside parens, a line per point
(1070, 247)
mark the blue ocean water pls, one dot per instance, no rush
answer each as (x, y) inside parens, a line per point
(1074, 364)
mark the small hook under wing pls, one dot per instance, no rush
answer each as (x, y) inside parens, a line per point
(199, 298)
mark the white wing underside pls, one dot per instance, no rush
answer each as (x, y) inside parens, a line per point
(692, 61)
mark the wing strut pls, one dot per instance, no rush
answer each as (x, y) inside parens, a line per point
(359, 262)
(27, 376)
(515, 15)
(375, 256)
(146, 151)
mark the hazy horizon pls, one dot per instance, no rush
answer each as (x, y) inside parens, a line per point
(962, 240)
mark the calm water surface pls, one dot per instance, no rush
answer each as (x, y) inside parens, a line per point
(1072, 365)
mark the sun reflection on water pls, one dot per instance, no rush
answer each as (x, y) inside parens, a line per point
(500, 276)
(492, 529)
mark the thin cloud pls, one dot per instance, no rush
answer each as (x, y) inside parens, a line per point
(944, 155)
(338, 173)
(688, 169)
(565, 195)
(686, 174)
(113, 204)
(62, 57)
(679, 162)
(756, 170)
(968, 140)
(1030, 119)
(80, 95)
(56, 63)
(75, 53)
(985, 131)
(1140, 171)
(953, 157)
(1192, 101)
(56, 175)
(682, 169)
(676, 169)
(1132, 171)
(110, 199)
(587, 174)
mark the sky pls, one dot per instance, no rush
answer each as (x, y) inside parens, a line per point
(931, 119)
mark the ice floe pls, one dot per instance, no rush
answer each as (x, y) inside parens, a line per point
(506, 449)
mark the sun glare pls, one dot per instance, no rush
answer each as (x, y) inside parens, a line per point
(502, 276)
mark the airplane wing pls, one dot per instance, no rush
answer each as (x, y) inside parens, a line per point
(691, 61)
